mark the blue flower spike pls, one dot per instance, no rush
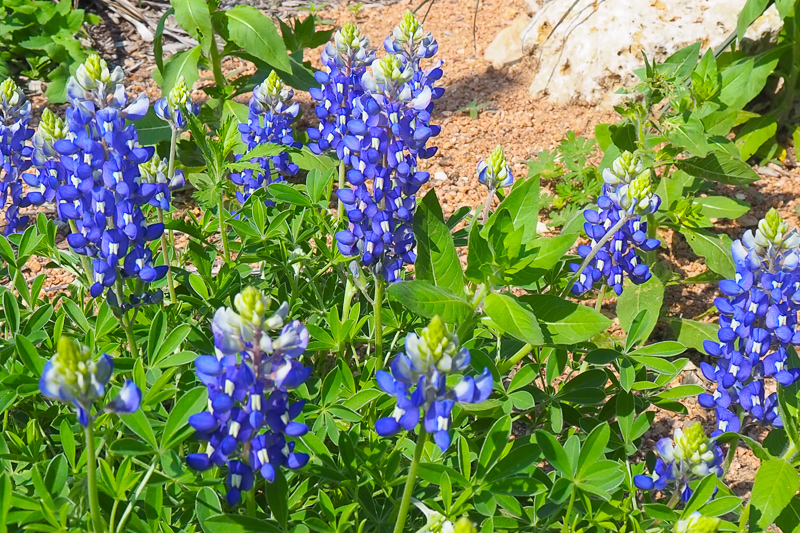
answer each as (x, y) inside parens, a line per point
(494, 173)
(92, 165)
(250, 420)
(757, 327)
(72, 376)
(616, 230)
(174, 107)
(270, 116)
(687, 456)
(418, 382)
(15, 157)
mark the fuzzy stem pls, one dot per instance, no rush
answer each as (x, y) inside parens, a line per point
(173, 143)
(91, 467)
(598, 306)
(410, 481)
(377, 306)
(516, 358)
(216, 62)
(136, 495)
(167, 261)
(487, 205)
(607, 237)
(225, 251)
(565, 526)
(340, 205)
(127, 325)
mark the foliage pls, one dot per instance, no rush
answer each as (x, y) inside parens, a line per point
(37, 40)
(536, 408)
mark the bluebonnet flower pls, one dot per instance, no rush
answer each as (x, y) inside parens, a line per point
(96, 160)
(249, 414)
(73, 376)
(424, 367)
(494, 173)
(380, 131)
(174, 107)
(757, 326)
(345, 60)
(617, 230)
(697, 523)
(270, 118)
(155, 184)
(409, 41)
(689, 456)
(15, 155)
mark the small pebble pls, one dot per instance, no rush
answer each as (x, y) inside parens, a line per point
(740, 196)
(440, 176)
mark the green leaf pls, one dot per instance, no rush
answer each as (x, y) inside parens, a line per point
(190, 403)
(284, 192)
(661, 349)
(715, 248)
(6, 490)
(681, 391)
(563, 321)
(494, 445)
(522, 203)
(593, 448)
(513, 318)
(427, 300)
(254, 32)
(776, 484)
(181, 64)
(206, 505)
(692, 333)
(11, 311)
(138, 423)
(789, 519)
(554, 452)
(29, 355)
(129, 447)
(437, 260)
(720, 167)
(755, 132)
(194, 17)
(152, 130)
(749, 13)
(721, 207)
(636, 298)
(702, 494)
(690, 135)
(231, 523)
(317, 184)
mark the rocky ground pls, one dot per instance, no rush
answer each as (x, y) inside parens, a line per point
(511, 117)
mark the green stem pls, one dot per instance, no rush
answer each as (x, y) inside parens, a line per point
(377, 306)
(225, 251)
(173, 143)
(216, 62)
(87, 265)
(516, 358)
(565, 526)
(339, 205)
(136, 495)
(486, 206)
(127, 325)
(349, 292)
(410, 481)
(91, 467)
(790, 450)
(598, 306)
(167, 261)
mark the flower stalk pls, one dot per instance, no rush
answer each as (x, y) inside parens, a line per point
(411, 480)
(91, 476)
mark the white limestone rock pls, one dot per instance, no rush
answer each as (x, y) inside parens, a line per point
(506, 48)
(598, 44)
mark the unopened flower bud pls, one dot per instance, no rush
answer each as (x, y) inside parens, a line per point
(623, 170)
(252, 305)
(495, 172)
(697, 523)
(179, 95)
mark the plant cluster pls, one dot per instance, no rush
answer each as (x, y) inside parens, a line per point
(278, 361)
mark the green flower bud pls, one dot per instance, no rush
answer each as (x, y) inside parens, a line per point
(409, 29)
(154, 170)
(349, 39)
(252, 305)
(697, 523)
(52, 128)
(94, 73)
(623, 170)
(390, 70)
(179, 95)
(433, 346)
(773, 231)
(637, 196)
(465, 525)
(73, 362)
(693, 446)
(10, 94)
